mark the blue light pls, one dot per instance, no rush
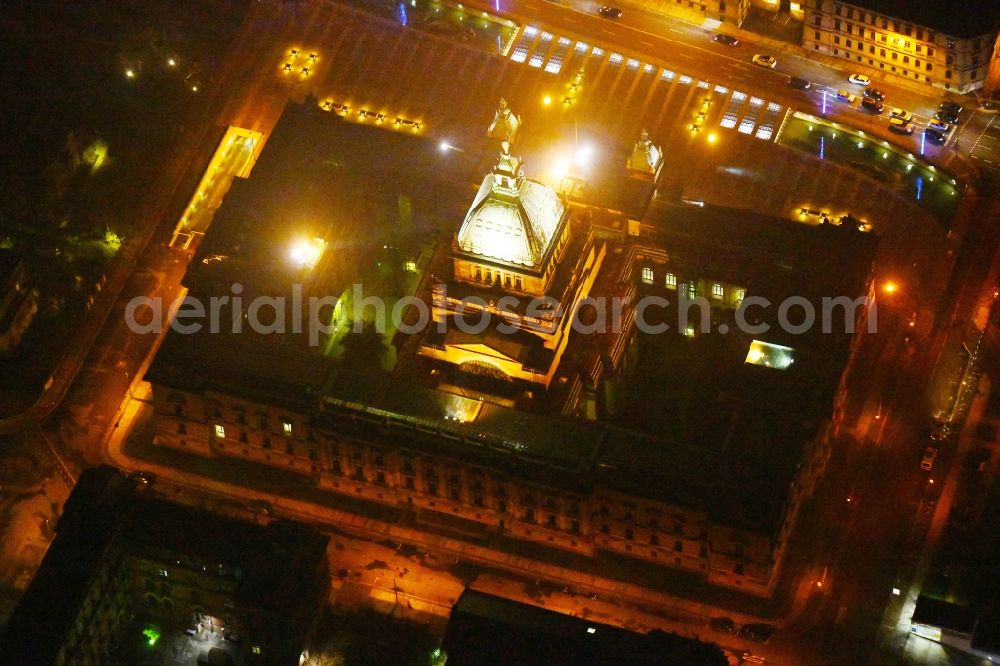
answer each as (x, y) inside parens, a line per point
(923, 138)
(497, 5)
(403, 20)
(822, 146)
(920, 187)
(824, 102)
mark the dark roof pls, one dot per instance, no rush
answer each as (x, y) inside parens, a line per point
(946, 615)
(485, 630)
(958, 18)
(107, 516)
(322, 176)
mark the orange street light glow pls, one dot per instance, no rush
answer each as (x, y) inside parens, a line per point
(305, 253)
(712, 137)
(546, 100)
(889, 287)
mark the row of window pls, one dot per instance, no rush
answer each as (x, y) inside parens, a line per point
(881, 52)
(497, 278)
(879, 37)
(220, 430)
(871, 18)
(670, 282)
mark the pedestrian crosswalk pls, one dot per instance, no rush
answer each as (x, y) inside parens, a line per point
(747, 115)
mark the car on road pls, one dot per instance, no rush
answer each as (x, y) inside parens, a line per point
(845, 96)
(757, 631)
(723, 624)
(927, 462)
(728, 40)
(859, 79)
(874, 93)
(749, 657)
(762, 60)
(142, 478)
(609, 11)
(799, 84)
(900, 126)
(261, 507)
(872, 105)
(902, 114)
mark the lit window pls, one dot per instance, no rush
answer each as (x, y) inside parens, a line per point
(671, 281)
(647, 275)
(689, 331)
(716, 290)
(220, 431)
(740, 295)
(163, 573)
(692, 290)
(411, 266)
(286, 427)
(255, 649)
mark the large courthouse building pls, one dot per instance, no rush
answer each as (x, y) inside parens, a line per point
(612, 448)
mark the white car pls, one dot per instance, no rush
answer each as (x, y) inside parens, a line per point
(900, 126)
(902, 114)
(764, 61)
(860, 79)
(845, 96)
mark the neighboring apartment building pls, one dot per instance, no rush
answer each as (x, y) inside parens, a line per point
(949, 47)
(127, 573)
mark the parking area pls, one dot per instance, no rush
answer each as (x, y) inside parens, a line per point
(986, 148)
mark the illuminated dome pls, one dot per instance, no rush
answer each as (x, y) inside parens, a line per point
(512, 219)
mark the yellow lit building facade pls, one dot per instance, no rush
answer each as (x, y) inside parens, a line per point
(878, 43)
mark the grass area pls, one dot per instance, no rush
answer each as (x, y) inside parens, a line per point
(899, 171)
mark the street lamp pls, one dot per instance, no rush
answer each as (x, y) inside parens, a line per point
(444, 147)
(890, 287)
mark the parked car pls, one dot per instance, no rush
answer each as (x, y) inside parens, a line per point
(724, 624)
(845, 96)
(872, 105)
(939, 126)
(934, 136)
(608, 11)
(951, 107)
(762, 60)
(874, 93)
(757, 631)
(927, 462)
(728, 40)
(859, 79)
(946, 116)
(799, 84)
(900, 126)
